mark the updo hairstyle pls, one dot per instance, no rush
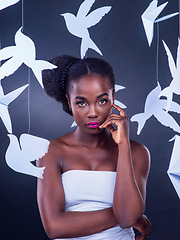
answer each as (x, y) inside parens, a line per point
(57, 81)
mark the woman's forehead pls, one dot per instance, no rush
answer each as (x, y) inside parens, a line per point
(90, 83)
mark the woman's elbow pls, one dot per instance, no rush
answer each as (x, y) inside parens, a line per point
(125, 220)
(52, 231)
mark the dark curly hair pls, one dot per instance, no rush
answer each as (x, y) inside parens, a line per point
(57, 81)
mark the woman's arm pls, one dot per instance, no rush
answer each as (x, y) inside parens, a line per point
(51, 202)
(132, 172)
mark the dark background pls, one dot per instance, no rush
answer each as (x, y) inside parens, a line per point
(121, 38)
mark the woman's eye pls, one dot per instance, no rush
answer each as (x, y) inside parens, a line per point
(81, 104)
(103, 101)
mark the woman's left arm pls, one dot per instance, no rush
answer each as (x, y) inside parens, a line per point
(132, 172)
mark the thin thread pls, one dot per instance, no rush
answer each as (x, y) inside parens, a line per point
(0, 49)
(22, 15)
(179, 18)
(29, 76)
(157, 55)
(29, 114)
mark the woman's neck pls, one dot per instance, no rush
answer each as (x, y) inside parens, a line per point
(93, 140)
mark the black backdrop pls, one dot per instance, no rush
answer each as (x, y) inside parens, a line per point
(120, 36)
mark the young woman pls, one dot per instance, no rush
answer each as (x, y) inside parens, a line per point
(94, 185)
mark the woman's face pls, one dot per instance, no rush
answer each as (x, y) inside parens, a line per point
(91, 100)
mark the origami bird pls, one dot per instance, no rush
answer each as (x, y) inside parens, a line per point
(174, 166)
(23, 52)
(78, 25)
(7, 3)
(118, 103)
(155, 107)
(5, 100)
(19, 157)
(174, 86)
(149, 16)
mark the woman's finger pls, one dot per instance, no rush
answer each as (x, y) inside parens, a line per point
(120, 110)
(108, 122)
(111, 128)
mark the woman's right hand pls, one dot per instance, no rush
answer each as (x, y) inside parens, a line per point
(143, 225)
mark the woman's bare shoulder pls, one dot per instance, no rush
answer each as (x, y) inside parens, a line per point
(56, 151)
(140, 154)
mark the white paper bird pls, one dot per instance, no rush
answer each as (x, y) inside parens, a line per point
(149, 16)
(78, 25)
(19, 157)
(5, 100)
(120, 104)
(155, 107)
(23, 52)
(174, 165)
(7, 3)
(174, 86)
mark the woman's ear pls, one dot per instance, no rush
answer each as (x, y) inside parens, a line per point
(113, 96)
(69, 102)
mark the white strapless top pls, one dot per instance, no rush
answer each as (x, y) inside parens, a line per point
(89, 191)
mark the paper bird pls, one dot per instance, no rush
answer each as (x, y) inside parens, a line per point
(174, 166)
(7, 3)
(5, 100)
(155, 107)
(117, 88)
(19, 157)
(78, 25)
(23, 52)
(118, 103)
(149, 16)
(174, 86)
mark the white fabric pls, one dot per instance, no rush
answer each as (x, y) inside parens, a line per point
(89, 191)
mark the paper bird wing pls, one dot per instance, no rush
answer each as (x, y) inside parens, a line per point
(174, 107)
(7, 3)
(120, 104)
(7, 52)
(94, 17)
(141, 119)
(152, 6)
(34, 147)
(74, 124)
(174, 166)
(8, 98)
(85, 8)
(37, 66)
(178, 59)
(167, 120)
(4, 114)
(148, 18)
(153, 11)
(9, 67)
(25, 47)
(166, 17)
(172, 65)
(118, 87)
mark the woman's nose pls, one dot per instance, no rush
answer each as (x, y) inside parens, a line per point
(92, 112)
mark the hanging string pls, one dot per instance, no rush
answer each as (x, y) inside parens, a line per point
(29, 114)
(0, 49)
(22, 15)
(157, 55)
(29, 77)
(179, 18)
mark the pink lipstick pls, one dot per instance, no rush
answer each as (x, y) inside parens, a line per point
(93, 124)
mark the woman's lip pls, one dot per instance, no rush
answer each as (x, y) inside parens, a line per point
(93, 124)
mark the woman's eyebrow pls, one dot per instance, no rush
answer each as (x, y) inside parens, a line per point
(103, 94)
(80, 97)
(99, 96)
